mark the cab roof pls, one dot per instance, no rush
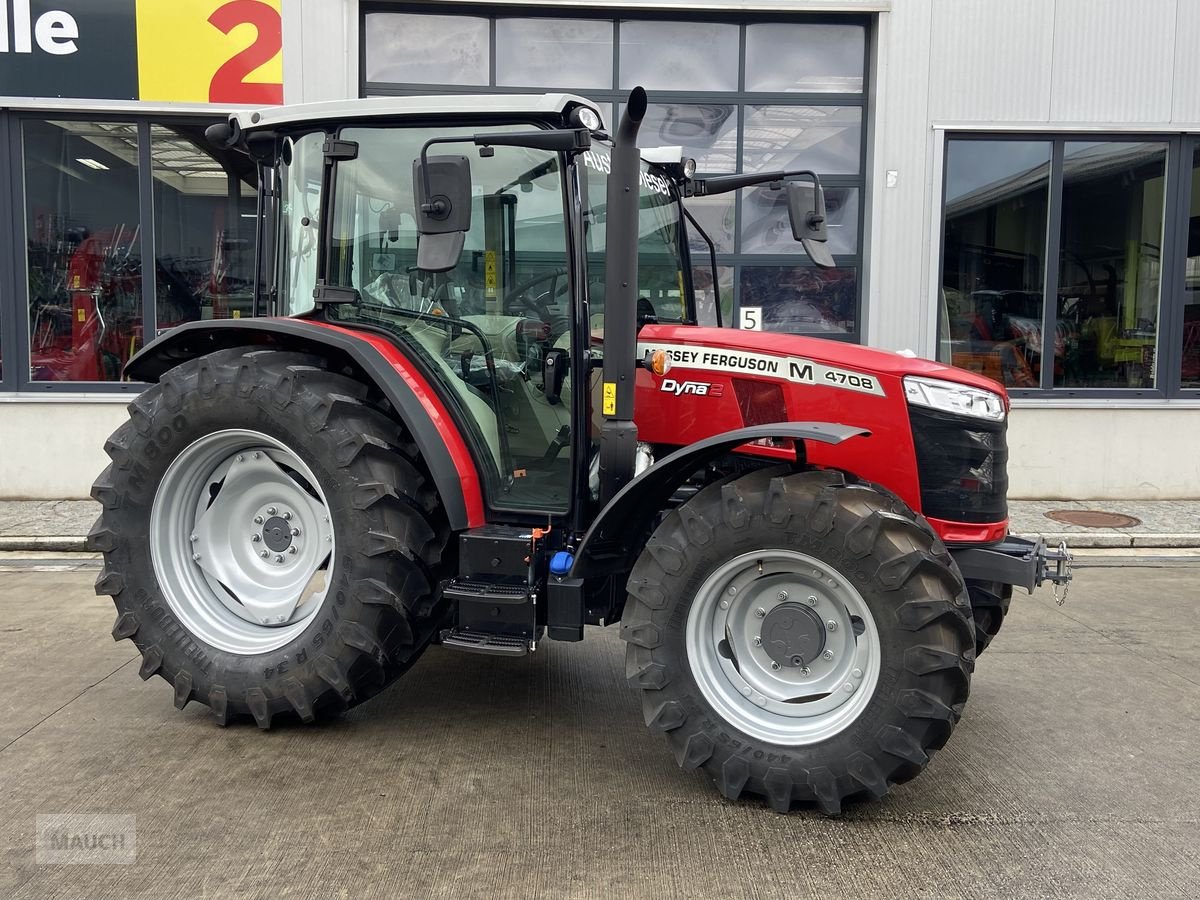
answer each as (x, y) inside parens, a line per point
(537, 105)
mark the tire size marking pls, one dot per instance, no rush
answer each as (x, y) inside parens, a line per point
(785, 368)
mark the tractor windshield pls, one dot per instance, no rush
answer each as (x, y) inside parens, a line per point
(663, 270)
(482, 329)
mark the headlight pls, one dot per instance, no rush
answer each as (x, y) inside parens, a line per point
(957, 399)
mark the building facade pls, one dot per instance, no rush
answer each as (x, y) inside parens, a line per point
(1012, 187)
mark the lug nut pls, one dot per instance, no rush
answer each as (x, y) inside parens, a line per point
(271, 510)
(811, 601)
(831, 625)
(783, 595)
(857, 673)
(292, 550)
(193, 539)
(848, 688)
(775, 666)
(827, 656)
(195, 557)
(240, 457)
(257, 455)
(805, 671)
(760, 612)
(279, 558)
(757, 641)
(287, 516)
(264, 554)
(295, 532)
(258, 520)
(732, 590)
(255, 538)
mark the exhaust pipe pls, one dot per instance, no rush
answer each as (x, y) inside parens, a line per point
(618, 435)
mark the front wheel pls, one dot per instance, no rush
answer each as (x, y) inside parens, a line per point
(799, 638)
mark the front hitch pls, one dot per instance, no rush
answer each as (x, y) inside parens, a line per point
(1020, 562)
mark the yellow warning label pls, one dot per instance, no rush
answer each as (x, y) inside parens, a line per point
(81, 315)
(237, 313)
(610, 398)
(489, 273)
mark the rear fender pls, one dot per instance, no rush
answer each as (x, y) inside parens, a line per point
(608, 546)
(376, 360)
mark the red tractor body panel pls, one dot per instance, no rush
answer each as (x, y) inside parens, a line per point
(456, 446)
(722, 379)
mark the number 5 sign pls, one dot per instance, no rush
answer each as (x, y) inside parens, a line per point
(210, 51)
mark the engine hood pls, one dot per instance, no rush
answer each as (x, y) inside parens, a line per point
(837, 353)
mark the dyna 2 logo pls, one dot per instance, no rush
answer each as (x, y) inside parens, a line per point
(698, 388)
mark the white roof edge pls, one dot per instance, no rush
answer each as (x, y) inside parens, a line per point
(446, 104)
(664, 155)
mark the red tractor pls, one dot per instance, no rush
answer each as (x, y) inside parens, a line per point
(481, 411)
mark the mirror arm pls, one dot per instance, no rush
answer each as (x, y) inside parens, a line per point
(723, 184)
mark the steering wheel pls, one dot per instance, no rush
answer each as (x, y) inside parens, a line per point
(520, 297)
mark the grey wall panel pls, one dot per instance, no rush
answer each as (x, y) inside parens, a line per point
(320, 58)
(1185, 105)
(1113, 60)
(991, 61)
(900, 214)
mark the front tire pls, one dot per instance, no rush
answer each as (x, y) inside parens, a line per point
(842, 587)
(270, 540)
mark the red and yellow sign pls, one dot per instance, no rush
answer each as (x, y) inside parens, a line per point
(210, 51)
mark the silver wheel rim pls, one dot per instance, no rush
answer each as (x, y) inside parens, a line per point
(241, 541)
(752, 684)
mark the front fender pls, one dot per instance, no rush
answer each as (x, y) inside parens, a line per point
(605, 548)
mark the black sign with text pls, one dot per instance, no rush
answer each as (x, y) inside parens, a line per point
(69, 48)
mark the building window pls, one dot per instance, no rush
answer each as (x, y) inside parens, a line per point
(1091, 224)
(1189, 369)
(739, 93)
(98, 200)
(83, 248)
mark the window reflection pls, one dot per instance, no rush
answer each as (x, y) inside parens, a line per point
(679, 56)
(1190, 365)
(995, 239)
(767, 229)
(1110, 254)
(805, 57)
(423, 49)
(803, 299)
(826, 139)
(204, 226)
(576, 53)
(83, 234)
(706, 131)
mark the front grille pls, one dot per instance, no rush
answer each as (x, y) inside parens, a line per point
(963, 466)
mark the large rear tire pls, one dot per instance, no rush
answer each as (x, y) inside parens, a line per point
(798, 638)
(271, 541)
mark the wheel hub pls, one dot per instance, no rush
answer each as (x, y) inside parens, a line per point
(277, 534)
(783, 646)
(241, 541)
(793, 635)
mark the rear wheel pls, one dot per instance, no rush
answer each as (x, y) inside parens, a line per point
(798, 638)
(270, 539)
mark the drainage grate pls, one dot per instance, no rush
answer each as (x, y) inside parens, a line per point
(1093, 518)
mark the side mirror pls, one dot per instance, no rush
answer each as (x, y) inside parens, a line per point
(554, 373)
(806, 212)
(442, 188)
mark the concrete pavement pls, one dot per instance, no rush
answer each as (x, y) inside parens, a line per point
(1073, 773)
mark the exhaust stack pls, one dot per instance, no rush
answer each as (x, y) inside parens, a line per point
(618, 435)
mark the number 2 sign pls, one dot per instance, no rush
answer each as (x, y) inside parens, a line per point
(210, 51)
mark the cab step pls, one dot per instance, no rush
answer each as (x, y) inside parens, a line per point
(482, 642)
